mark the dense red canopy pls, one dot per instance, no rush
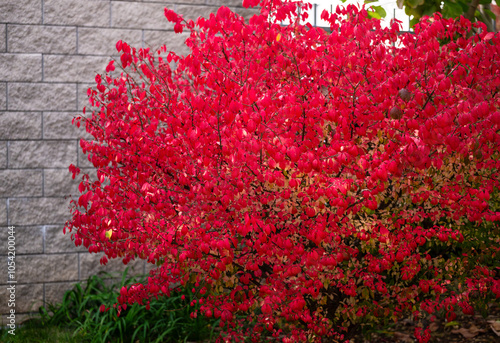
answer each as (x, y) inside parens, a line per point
(304, 182)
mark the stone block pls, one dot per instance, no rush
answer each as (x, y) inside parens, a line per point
(227, 3)
(246, 13)
(92, 172)
(59, 183)
(167, 2)
(38, 211)
(101, 41)
(20, 125)
(57, 125)
(54, 292)
(29, 240)
(77, 12)
(21, 183)
(194, 12)
(83, 161)
(42, 154)
(21, 67)
(47, 268)
(42, 97)
(21, 11)
(28, 298)
(170, 3)
(3, 96)
(21, 318)
(58, 242)
(83, 99)
(3, 155)
(90, 265)
(3, 38)
(64, 68)
(173, 41)
(3, 212)
(132, 15)
(42, 39)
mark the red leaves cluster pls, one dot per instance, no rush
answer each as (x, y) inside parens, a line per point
(304, 182)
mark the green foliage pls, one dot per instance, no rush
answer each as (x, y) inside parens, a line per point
(78, 319)
(448, 8)
(378, 12)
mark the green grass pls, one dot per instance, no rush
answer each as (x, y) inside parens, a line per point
(35, 330)
(78, 319)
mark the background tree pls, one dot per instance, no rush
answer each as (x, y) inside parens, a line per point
(306, 185)
(474, 10)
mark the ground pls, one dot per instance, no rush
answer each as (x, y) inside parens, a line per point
(464, 329)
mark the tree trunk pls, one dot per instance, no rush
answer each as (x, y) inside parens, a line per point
(472, 10)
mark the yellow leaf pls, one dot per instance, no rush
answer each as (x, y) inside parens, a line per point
(278, 37)
(109, 233)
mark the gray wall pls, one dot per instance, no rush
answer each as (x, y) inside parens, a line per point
(50, 51)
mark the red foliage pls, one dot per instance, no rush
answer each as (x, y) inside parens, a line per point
(306, 183)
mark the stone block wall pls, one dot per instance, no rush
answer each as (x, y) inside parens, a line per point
(50, 51)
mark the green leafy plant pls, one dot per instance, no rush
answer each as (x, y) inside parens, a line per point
(168, 319)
